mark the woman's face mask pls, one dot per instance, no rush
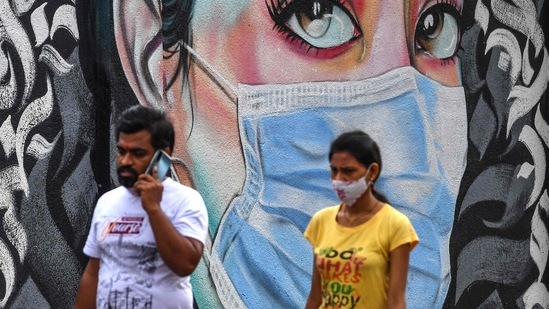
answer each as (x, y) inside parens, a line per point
(350, 191)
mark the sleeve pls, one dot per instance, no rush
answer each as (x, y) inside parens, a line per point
(403, 233)
(311, 232)
(192, 219)
(91, 248)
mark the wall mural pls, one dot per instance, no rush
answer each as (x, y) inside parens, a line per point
(455, 92)
(47, 187)
(499, 244)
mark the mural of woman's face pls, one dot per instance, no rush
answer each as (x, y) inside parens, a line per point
(282, 41)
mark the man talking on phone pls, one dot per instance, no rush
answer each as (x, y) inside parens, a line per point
(146, 236)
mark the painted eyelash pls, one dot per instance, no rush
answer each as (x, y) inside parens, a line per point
(453, 3)
(276, 11)
(280, 12)
(456, 4)
(448, 61)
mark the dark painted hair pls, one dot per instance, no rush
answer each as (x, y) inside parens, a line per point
(363, 148)
(139, 117)
(176, 20)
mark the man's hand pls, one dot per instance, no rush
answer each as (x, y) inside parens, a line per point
(181, 254)
(150, 189)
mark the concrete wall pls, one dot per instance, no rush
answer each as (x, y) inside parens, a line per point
(455, 93)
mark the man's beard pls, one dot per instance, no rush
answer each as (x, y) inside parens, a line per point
(127, 182)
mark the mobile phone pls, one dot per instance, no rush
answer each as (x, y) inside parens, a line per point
(162, 161)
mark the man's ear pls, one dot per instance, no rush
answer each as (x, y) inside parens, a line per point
(138, 36)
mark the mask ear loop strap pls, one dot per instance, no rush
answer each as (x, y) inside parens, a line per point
(224, 82)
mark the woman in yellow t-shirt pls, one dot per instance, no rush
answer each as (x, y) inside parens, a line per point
(361, 246)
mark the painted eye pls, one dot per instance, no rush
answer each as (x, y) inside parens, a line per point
(313, 18)
(438, 31)
(320, 24)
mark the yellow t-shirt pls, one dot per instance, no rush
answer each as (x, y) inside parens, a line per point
(353, 262)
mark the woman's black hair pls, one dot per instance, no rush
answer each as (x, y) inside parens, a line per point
(363, 148)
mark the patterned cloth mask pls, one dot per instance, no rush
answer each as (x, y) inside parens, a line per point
(350, 191)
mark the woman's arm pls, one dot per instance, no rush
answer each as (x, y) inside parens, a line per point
(315, 296)
(398, 273)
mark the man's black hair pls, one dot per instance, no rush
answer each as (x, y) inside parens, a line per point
(139, 117)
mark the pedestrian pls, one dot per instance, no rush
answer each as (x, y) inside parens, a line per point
(147, 235)
(361, 246)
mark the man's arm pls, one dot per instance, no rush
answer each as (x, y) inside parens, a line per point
(181, 254)
(85, 299)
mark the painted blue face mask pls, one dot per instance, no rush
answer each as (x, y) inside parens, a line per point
(260, 257)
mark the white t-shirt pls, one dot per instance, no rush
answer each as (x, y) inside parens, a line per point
(131, 272)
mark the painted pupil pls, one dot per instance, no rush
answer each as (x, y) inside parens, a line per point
(315, 9)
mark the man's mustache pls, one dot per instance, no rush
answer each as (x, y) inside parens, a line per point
(123, 169)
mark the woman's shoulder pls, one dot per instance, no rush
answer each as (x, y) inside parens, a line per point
(326, 212)
(393, 213)
(321, 219)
